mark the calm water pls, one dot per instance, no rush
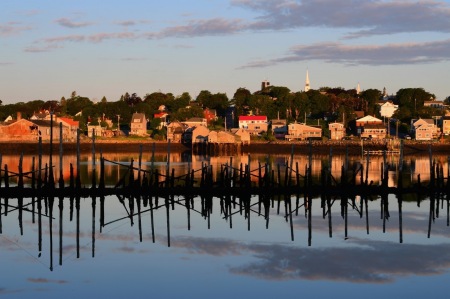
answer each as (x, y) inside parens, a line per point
(382, 254)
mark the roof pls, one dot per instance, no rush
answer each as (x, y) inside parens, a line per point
(252, 117)
(279, 122)
(44, 123)
(369, 118)
(68, 121)
(138, 117)
(160, 115)
(423, 121)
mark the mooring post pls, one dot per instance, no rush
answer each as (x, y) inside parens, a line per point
(51, 179)
(78, 179)
(140, 166)
(93, 148)
(33, 186)
(20, 183)
(39, 179)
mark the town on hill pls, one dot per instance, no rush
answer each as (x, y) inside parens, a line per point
(271, 113)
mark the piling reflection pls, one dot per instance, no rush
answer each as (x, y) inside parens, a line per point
(324, 212)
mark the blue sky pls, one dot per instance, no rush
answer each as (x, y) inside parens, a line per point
(106, 48)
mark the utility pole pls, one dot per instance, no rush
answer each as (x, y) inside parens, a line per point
(118, 125)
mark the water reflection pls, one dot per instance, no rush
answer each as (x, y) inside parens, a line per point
(378, 240)
(181, 162)
(346, 219)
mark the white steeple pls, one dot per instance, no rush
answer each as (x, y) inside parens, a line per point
(358, 89)
(307, 86)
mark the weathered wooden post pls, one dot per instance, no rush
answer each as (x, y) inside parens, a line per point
(61, 178)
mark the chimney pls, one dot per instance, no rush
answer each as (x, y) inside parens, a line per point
(19, 115)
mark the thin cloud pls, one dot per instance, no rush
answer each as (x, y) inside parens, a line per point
(126, 23)
(100, 37)
(390, 54)
(50, 44)
(375, 17)
(71, 24)
(217, 26)
(29, 13)
(12, 28)
(5, 63)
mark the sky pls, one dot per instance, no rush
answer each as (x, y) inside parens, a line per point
(108, 47)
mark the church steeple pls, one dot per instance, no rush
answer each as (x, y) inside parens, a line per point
(307, 86)
(358, 89)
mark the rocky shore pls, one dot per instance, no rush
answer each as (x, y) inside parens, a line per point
(279, 147)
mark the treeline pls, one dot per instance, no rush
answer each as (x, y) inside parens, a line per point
(330, 104)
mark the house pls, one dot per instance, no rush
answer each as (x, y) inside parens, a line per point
(95, 130)
(242, 135)
(195, 135)
(210, 115)
(434, 104)
(424, 132)
(279, 128)
(221, 137)
(175, 131)
(300, 131)
(21, 129)
(254, 124)
(364, 121)
(162, 116)
(424, 129)
(42, 115)
(72, 126)
(8, 119)
(387, 109)
(337, 131)
(45, 128)
(138, 124)
(195, 122)
(446, 125)
(374, 131)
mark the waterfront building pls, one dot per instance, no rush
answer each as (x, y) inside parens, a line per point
(300, 131)
(279, 128)
(138, 124)
(195, 122)
(254, 124)
(337, 131)
(363, 122)
(424, 129)
(175, 131)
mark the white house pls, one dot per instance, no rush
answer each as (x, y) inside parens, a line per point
(387, 109)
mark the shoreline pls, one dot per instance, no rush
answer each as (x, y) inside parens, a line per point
(278, 147)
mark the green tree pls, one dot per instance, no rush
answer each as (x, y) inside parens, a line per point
(372, 96)
(203, 98)
(78, 104)
(181, 101)
(156, 99)
(413, 99)
(241, 100)
(319, 103)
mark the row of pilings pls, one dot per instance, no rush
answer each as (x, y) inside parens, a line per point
(264, 179)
